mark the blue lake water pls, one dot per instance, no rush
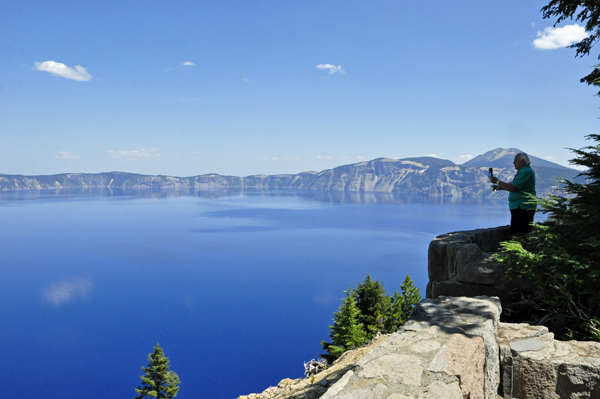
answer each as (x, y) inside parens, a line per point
(237, 287)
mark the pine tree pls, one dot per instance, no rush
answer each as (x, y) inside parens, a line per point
(158, 382)
(402, 305)
(346, 332)
(561, 257)
(374, 305)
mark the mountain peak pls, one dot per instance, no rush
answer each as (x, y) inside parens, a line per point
(504, 157)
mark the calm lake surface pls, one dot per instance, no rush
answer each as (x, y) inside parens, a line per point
(237, 287)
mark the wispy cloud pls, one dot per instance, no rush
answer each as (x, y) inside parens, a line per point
(189, 63)
(58, 69)
(553, 38)
(324, 157)
(432, 155)
(359, 157)
(135, 154)
(332, 68)
(68, 290)
(196, 156)
(465, 157)
(66, 155)
(248, 80)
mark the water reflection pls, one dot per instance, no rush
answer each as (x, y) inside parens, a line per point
(335, 197)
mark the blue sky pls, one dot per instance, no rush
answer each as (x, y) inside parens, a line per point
(263, 87)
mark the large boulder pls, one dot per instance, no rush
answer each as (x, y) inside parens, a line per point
(447, 350)
(461, 264)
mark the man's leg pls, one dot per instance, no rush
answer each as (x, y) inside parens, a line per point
(521, 219)
(529, 214)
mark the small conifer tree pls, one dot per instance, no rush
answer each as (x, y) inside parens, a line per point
(402, 305)
(369, 303)
(158, 382)
(374, 304)
(347, 332)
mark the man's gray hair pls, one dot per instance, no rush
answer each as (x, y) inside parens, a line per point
(524, 157)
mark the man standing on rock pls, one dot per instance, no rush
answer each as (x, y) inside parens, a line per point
(522, 209)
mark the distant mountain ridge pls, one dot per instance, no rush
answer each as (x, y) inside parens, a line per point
(503, 157)
(426, 176)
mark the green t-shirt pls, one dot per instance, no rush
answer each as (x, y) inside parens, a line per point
(524, 181)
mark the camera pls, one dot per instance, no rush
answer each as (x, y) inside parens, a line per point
(490, 175)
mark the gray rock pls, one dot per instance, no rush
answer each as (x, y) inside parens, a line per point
(338, 386)
(439, 389)
(442, 352)
(535, 365)
(517, 331)
(475, 266)
(441, 288)
(461, 264)
(531, 344)
(441, 265)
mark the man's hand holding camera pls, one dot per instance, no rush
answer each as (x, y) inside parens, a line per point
(494, 181)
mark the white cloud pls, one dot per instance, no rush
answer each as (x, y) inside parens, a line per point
(135, 155)
(553, 38)
(57, 69)
(432, 155)
(248, 80)
(550, 158)
(332, 68)
(68, 290)
(189, 63)
(324, 157)
(66, 155)
(359, 157)
(465, 157)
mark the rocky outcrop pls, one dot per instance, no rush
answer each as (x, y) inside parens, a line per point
(447, 350)
(460, 264)
(457, 348)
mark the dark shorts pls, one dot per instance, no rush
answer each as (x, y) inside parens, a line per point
(520, 220)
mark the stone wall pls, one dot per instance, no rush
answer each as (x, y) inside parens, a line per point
(459, 264)
(457, 348)
(536, 366)
(447, 350)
